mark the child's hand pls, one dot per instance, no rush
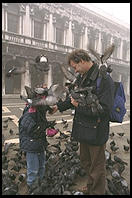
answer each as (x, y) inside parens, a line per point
(75, 104)
(54, 109)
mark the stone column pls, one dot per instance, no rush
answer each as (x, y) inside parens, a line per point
(121, 48)
(49, 76)
(88, 37)
(32, 27)
(27, 22)
(99, 43)
(3, 18)
(3, 79)
(25, 79)
(69, 34)
(45, 31)
(119, 79)
(83, 40)
(50, 29)
(20, 25)
(128, 51)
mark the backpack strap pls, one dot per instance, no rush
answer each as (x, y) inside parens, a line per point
(98, 83)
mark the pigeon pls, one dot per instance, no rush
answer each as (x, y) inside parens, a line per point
(52, 123)
(6, 147)
(78, 193)
(64, 121)
(57, 145)
(119, 160)
(126, 148)
(121, 134)
(111, 187)
(112, 143)
(128, 141)
(10, 119)
(12, 176)
(65, 126)
(5, 121)
(114, 148)
(16, 168)
(111, 134)
(107, 155)
(67, 192)
(50, 99)
(11, 131)
(121, 168)
(5, 126)
(63, 135)
(8, 74)
(115, 174)
(21, 177)
(15, 71)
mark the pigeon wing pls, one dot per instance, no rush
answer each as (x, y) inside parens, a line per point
(30, 92)
(97, 55)
(108, 53)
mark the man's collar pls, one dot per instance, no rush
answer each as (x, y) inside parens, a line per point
(95, 72)
(92, 72)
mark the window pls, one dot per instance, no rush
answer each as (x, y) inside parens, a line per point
(76, 40)
(59, 35)
(13, 23)
(38, 30)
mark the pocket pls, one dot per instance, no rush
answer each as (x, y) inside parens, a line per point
(85, 132)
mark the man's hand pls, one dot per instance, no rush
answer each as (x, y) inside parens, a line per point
(54, 109)
(74, 102)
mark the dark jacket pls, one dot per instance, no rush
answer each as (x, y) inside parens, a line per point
(84, 121)
(32, 128)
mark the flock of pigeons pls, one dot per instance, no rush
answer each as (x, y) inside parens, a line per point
(62, 167)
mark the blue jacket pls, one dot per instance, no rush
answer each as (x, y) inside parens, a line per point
(32, 128)
(85, 123)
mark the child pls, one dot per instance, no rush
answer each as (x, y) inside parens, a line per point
(32, 135)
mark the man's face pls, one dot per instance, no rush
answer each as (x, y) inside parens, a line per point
(78, 67)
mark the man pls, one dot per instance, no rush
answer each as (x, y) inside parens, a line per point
(90, 128)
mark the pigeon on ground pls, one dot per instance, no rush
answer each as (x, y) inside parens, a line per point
(126, 148)
(114, 148)
(121, 134)
(119, 160)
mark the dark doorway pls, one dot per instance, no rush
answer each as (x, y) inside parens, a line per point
(13, 83)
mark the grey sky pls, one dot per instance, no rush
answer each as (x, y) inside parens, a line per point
(120, 12)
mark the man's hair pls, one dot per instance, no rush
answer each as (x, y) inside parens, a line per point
(78, 55)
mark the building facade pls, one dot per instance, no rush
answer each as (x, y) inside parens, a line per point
(55, 29)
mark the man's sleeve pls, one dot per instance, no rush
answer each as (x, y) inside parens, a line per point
(64, 105)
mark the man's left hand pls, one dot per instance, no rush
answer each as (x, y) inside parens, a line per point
(74, 102)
